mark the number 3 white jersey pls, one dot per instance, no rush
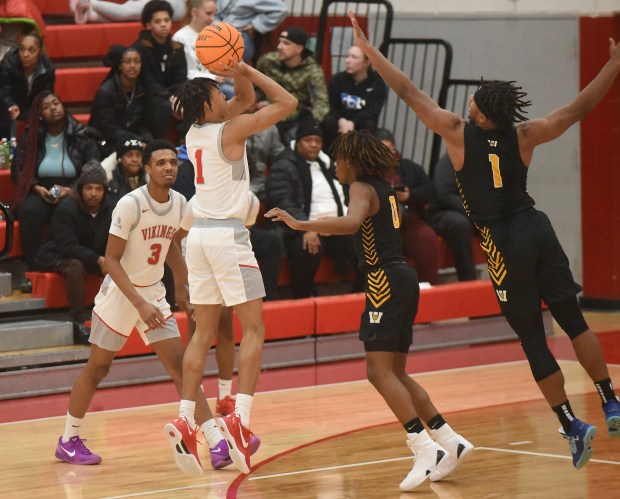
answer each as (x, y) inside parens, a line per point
(148, 227)
(221, 184)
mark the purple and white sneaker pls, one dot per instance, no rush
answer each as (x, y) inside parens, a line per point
(220, 454)
(75, 452)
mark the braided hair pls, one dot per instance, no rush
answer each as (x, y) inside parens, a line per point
(367, 154)
(30, 160)
(192, 95)
(502, 102)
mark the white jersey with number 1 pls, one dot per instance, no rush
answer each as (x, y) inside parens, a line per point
(148, 227)
(221, 184)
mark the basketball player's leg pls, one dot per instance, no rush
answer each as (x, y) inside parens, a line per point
(430, 456)
(225, 357)
(250, 316)
(104, 345)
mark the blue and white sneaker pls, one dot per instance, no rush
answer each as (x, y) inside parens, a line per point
(612, 417)
(579, 439)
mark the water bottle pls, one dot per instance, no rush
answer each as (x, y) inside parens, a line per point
(13, 147)
(6, 152)
(3, 158)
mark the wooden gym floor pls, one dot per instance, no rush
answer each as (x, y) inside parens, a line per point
(327, 434)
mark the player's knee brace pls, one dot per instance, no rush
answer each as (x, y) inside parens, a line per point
(569, 317)
(531, 331)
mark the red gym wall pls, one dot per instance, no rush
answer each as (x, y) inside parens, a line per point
(600, 171)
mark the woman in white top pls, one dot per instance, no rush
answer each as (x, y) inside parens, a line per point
(199, 15)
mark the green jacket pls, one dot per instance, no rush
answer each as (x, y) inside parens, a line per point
(306, 82)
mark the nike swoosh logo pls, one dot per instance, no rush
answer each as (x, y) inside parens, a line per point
(144, 211)
(70, 454)
(160, 299)
(243, 442)
(370, 89)
(216, 451)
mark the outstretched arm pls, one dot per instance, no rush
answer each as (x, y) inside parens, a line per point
(440, 121)
(539, 131)
(360, 207)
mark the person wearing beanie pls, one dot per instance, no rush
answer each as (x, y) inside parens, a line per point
(302, 182)
(76, 242)
(129, 172)
(294, 67)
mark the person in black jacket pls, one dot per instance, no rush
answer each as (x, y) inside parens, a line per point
(77, 241)
(25, 71)
(163, 62)
(414, 192)
(47, 162)
(356, 97)
(302, 183)
(121, 103)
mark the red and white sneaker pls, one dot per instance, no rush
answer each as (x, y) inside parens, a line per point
(225, 406)
(183, 441)
(238, 438)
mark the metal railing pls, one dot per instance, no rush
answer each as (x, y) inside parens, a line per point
(427, 62)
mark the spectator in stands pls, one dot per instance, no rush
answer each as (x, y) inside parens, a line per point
(263, 148)
(450, 221)
(200, 13)
(303, 183)
(121, 103)
(356, 97)
(294, 67)
(414, 191)
(77, 240)
(17, 18)
(254, 18)
(25, 71)
(163, 61)
(129, 173)
(100, 11)
(47, 162)
(265, 243)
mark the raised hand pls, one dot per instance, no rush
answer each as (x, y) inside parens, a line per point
(358, 35)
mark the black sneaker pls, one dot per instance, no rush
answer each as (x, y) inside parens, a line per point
(81, 333)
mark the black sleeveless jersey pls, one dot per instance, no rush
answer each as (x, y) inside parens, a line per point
(493, 181)
(378, 240)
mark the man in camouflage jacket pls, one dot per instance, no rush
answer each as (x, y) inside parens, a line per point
(294, 67)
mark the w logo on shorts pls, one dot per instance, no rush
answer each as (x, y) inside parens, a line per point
(375, 317)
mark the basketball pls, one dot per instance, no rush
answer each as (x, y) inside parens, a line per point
(218, 43)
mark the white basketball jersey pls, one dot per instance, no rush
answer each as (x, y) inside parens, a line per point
(221, 184)
(148, 227)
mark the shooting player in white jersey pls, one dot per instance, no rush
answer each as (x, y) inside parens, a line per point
(221, 263)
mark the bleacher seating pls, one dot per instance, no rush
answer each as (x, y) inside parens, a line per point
(16, 250)
(51, 287)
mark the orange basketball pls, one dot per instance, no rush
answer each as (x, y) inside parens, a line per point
(218, 43)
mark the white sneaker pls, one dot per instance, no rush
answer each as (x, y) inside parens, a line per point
(429, 456)
(458, 448)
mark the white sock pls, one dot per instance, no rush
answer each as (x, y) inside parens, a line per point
(187, 410)
(224, 387)
(443, 433)
(72, 427)
(243, 406)
(419, 439)
(212, 433)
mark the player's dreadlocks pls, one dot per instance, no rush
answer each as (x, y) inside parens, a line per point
(192, 95)
(502, 102)
(367, 154)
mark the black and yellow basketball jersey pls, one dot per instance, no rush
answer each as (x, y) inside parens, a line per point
(493, 181)
(378, 240)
